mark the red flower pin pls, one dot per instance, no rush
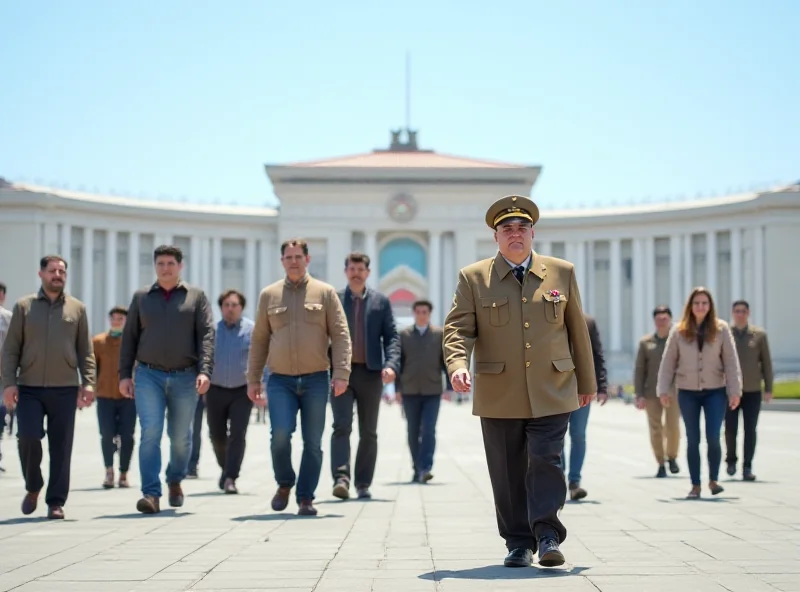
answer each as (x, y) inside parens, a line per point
(554, 293)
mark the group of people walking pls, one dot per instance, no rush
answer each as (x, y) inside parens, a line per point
(516, 327)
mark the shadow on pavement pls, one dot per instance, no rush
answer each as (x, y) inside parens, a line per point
(356, 500)
(219, 494)
(29, 520)
(283, 516)
(498, 572)
(168, 513)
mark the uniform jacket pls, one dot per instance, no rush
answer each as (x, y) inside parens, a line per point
(648, 360)
(694, 370)
(754, 358)
(532, 350)
(382, 343)
(421, 362)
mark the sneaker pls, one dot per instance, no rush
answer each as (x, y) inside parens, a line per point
(175, 495)
(576, 492)
(108, 483)
(341, 489)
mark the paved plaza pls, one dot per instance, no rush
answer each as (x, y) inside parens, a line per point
(633, 532)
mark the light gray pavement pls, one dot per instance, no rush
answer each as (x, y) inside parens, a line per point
(633, 532)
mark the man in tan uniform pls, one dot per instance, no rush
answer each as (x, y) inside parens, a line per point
(664, 422)
(521, 314)
(297, 318)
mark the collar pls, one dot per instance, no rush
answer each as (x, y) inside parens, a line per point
(156, 287)
(237, 324)
(352, 294)
(42, 296)
(534, 264)
(300, 284)
(743, 331)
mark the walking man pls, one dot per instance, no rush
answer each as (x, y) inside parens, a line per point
(228, 406)
(169, 336)
(116, 414)
(663, 422)
(579, 419)
(754, 358)
(297, 318)
(419, 387)
(375, 362)
(48, 342)
(520, 312)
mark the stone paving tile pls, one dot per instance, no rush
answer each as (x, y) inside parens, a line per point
(633, 533)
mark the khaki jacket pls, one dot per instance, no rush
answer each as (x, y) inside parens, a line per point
(294, 325)
(692, 370)
(533, 356)
(106, 353)
(648, 360)
(754, 358)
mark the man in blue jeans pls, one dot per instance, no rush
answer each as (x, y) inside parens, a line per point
(579, 419)
(169, 337)
(297, 318)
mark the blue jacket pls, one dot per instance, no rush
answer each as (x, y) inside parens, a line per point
(382, 343)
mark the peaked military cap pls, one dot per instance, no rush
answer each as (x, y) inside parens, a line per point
(511, 207)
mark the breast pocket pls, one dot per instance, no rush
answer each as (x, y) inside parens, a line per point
(314, 313)
(278, 317)
(497, 307)
(554, 308)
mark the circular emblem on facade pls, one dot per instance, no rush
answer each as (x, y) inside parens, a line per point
(402, 207)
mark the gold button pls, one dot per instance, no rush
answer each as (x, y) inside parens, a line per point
(494, 305)
(527, 364)
(527, 346)
(527, 324)
(524, 299)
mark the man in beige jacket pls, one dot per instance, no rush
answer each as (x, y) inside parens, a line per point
(521, 313)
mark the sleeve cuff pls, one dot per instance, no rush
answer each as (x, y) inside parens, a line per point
(341, 375)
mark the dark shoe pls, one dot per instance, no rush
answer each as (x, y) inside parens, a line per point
(230, 486)
(123, 480)
(576, 492)
(281, 499)
(549, 553)
(425, 476)
(221, 482)
(519, 558)
(731, 469)
(175, 495)
(149, 505)
(673, 466)
(341, 489)
(363, 493)
(715, 488)
(306, 508)
(108, 483)
(29, 502)
(192, 474)
(747, 475)
(694, 493)
(55, 513)
(662, 472)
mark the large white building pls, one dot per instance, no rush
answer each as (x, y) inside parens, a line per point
(420, 216)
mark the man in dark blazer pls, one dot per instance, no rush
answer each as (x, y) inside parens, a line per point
(579, 419)
(375, 362)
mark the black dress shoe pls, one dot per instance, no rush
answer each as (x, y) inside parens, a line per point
(747, 474)
(662, 472)
(673, 466)
(731, 469)
(519, 558)
(549, 553)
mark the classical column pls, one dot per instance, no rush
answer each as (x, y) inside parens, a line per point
(649, 277)
(195, 260)
(338, 247)
(111, 270)
(87, 268)
(250, 275)
(759, 304)
(449, 273)
(615, 262)
(51, 239)
(688, 276)
(736, 264)
(545, 248)
(589, 298)
(371, 249)
(216, 270)
(133, 262)
(435, 274)
(466, 248)
(675, 291)
(579, 254)
(638, 263)
(270, 254)
(711, 262)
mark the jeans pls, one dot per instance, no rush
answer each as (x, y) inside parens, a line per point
(116, 417)
(197, 433)
(578, 420)
(422, 412)
(712, 402)
(159, 394)
(307, 393)
(58, 405)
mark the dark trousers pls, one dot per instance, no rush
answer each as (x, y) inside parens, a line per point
(58, 405)
(117, 417)
(421, 411)
(711, 402)
(750, 406)
(197, 433)
(524, 460)
(365, 389)
(228, 413)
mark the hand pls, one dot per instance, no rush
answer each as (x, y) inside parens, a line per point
(388, 375)
(768, 397)
(584, 400)
(602, 398)
(665, 400)
(85, 397)
(339, 386)
(733, 402)
(461, 380)
(10, 397)
(640, 403)
(202, 383)
(126, 388)
(257, 395)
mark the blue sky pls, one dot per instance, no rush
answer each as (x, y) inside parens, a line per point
(617, 100)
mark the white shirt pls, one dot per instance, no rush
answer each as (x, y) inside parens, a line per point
(524, 264)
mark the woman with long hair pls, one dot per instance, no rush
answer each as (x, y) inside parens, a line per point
(700, 357)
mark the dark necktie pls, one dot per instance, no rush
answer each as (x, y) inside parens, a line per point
(519, 273)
